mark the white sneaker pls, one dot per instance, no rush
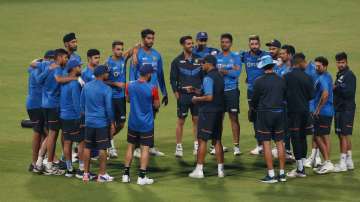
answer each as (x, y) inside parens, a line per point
(308, 163)
(350, 164)
(179, 151)
(274, 152)
(113, 153)
(212, 151)
(256, 151)
(327, 167)
(340, 167)
(144, 181)
(225, 149)
(54, 171)
(137, 153)
(155, 152)
(289, 156)
(197, 174)
(295, 173)
(125, 179)
(105, 178)
(237, 151)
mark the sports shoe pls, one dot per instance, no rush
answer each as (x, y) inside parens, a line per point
(296, 173)
(79, 174)
(212, 150)
(86, 177)
(289, 156)
(54, 171)
(61, 165)
(350, 164)
(340, 167)
(282, 178)
(274, 152)
(113, 153)
(256, 151)
(69, 173)
(237, 151)
(309, 162)
(327, 167)
(269, 180)
(105, 178)
(155, 152)
(125, 179)
(179, 151)
(317, 161)
(137, 153)
(144, 181)
(197, 174)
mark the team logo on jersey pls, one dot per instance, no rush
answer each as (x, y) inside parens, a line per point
(154, 58)
(116, 74)
(182, 61)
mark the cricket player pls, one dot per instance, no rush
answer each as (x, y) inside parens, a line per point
(268, 100)
(211, 112)
(201, 47)
(143, 98)
(186, 74)
(344, 102)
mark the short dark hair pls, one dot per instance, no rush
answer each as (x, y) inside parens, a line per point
(298, 57)
(323, 60)
(116, 43)
(289, 49)
(146, 32)
(92, 52)
(184, 38)
(227, 36)
(341, 56)
(254, 37)
(60, 52)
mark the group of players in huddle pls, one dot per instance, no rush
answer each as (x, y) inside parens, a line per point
(289, 98)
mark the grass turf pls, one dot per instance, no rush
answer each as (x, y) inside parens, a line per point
(28, 28)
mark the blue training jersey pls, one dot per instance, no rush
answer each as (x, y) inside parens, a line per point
(205, 51)
(141, 96)
(117, 74)
(154, 58)
(231, 63)
(96, 104)
(311, 71)
(51, 92)
(324, 83)
(70, 100)
(87, 74)
(34, 97)
(252, 71)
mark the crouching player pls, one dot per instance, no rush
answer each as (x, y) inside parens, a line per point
(143, 98)
(211, 112)
(96, 103)
(70, 117)
(268, 101)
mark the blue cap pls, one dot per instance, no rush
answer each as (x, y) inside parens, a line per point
(100, 70)
(265, 60)
(72, 64)
(49, 53)
(201, 35)
(146, 69)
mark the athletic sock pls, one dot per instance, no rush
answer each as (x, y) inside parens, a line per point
(127, 171)
(142, 173)
(282, 172)
(199, 167)
(178, 145)
(196, 144)
(349, 154)
(313, 153)
(343, 158)
(220, 167)
(303, 160)
(300, 165)
(39, 161)
(112, 144)
(271, 173)
(317, 153)
(260, 147)
(69, 165)
(236, 145)
(81, 165)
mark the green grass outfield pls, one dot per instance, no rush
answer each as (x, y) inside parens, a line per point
(28, 28)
